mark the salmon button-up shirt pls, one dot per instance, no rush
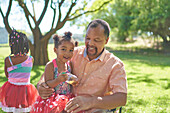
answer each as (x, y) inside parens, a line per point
(98, 77)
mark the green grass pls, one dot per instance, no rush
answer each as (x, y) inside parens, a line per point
(148, 75)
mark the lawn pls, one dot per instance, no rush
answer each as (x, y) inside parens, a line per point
(148, 75)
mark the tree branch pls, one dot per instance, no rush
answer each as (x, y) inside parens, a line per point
(59, 13)
(27, 13)
(60, 3)
(43, 13)
(48, 35)
(90, 11)
(52, 31)
(5, 18)
(2, 13)
(71, 7)
(9, 8)
(54, 10)
(34, 12)
(79, 9)
(67, 15)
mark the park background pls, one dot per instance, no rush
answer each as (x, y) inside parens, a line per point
(140, 37)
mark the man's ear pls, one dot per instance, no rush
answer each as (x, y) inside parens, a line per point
(107, 40)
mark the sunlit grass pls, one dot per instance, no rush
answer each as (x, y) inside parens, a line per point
(148, 75)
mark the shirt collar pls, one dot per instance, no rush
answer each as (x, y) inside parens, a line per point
(100, 57)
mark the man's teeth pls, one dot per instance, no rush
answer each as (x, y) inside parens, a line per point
(91, 48)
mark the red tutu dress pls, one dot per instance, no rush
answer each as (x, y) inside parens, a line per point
(55, 103)
(17, 94)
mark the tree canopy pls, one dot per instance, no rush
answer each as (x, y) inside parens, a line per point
(131, 17)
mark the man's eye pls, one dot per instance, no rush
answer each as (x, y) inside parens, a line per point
(87, 38)
(97, 40)
(63, 49)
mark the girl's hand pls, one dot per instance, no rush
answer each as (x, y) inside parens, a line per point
(62, 77)
(72, 79)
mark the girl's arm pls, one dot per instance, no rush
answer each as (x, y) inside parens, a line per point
(49, 76)
(6, 66)
(32, 60)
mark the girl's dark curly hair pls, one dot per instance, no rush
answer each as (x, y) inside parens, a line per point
(18, 43)
(67, 37)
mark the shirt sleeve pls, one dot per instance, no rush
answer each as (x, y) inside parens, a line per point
(118, 80)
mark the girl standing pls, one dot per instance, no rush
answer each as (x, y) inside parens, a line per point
(18, 94)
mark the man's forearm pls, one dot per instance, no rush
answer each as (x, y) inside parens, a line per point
(80, 103)
(110, 101)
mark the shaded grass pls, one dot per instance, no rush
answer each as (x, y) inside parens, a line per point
(148, 75)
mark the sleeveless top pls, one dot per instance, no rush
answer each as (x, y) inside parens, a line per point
(64, 87)
(19, 74)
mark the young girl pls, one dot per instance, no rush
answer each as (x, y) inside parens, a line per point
(57, 73)
(17, 94)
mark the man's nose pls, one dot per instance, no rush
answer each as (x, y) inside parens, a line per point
(91, 42)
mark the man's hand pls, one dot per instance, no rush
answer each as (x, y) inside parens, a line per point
(44, 91)
(79, 103)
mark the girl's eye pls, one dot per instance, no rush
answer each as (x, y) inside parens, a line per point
(71, 50)
(63, 49)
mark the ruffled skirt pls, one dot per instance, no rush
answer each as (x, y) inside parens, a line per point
(17, 98)
(54, 104)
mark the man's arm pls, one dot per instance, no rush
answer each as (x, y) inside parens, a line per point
(80, 103)
(43, 89)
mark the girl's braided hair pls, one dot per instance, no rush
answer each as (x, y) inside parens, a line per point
(18, 43)
(67, 37)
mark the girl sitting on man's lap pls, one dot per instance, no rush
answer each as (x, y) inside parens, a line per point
(57, 72)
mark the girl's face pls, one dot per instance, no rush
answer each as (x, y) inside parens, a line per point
(64, 51)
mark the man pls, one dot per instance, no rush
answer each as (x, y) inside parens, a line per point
(102, 78)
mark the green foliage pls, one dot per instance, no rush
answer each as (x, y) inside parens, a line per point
(152, 16)
(128, 18)
(117, 15)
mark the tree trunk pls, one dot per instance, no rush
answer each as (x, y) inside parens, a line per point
(166, 47)
(39, 49)
(164, 38)
(44, 53)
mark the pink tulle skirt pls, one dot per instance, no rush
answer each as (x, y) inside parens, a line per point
(54, 104)
(17, 98)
